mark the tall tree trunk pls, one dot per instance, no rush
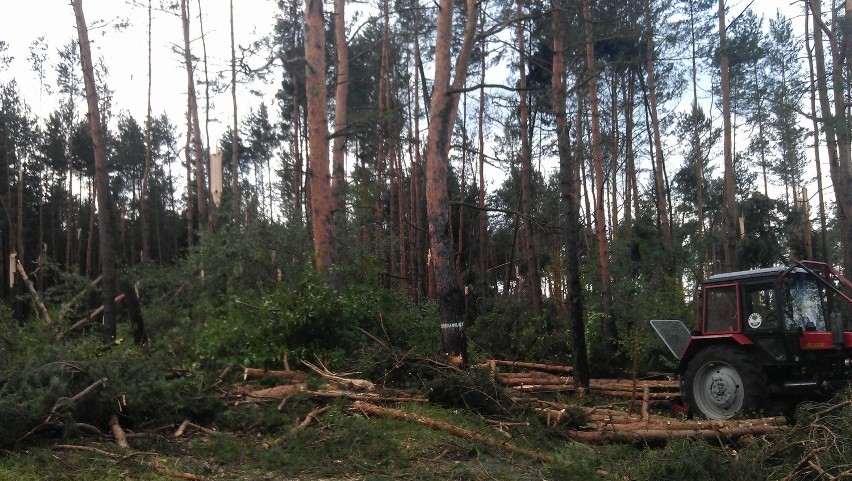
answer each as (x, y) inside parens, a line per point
(610, 331)
(443, 111)
(731, 238)
(235, 128)
(190, 196)
(143, 196)
(836, 121)
(571, 206)
(659, 185)
(823, 255)
(200, 178)
(483, 226)
(322, 206)
(341, 96)
(696, 146)
(533, 277)
(630, 182)
(107, 249)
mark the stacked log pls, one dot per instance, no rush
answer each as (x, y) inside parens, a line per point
(612, 425)
(534, 379)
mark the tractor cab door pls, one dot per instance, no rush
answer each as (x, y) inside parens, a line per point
(763, 318)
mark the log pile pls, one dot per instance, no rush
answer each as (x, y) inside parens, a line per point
(541, 378)
(606, 424)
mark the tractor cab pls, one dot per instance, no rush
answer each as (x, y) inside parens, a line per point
(763, 334)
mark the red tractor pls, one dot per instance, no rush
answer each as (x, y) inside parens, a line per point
(762, 337)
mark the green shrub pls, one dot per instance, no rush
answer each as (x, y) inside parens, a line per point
(144, 385)
(306, 320)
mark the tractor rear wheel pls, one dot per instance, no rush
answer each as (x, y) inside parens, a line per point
(721, 382)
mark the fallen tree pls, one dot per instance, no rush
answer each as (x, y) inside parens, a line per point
(372, 409)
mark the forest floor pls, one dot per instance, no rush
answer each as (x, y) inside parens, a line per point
(342, 444)
(303, 436)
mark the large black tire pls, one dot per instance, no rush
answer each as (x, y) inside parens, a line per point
(721, 382)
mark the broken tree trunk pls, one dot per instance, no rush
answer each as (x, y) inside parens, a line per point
(372, 409)
(63, 311)
(33, 292)
(117, 432)
(309, 419)
(88, 318)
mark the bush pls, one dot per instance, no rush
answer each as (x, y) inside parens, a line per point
(306, 320)
(144, 385)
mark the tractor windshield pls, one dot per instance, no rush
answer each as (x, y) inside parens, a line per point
(811, 305)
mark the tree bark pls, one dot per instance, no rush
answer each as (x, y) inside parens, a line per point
(143, 195)
(443, 111)
(570, 206)
(610, 331)
(823, 253)
(107, 248)
(341, 96)
(533, 277)
(322, 216)
(731, 237)
(659, 185)
(200, 183)
(235, 128)
(835, 123)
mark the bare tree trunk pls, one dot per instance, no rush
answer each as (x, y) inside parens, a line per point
(836, 122)
(200, 182)
(190, 197)
(322, 216)
(443, 111)
(630, 182)
(696, 147)
(659, 186)
(571, 206)
(731, 237)
(610, 331)
(533, 278)
(143, 195)
(235, 128)
(483, 226)
(101, 178)
(823, 255)
(341, 96)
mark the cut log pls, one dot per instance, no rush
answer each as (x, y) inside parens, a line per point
(277, 392)
(287, 376)
(643, 435)
(368, 397)
(527, 365)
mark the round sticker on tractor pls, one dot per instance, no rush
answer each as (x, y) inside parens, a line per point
(754, 320)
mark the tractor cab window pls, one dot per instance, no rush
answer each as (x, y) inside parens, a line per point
(760, 306)
(804, 304)
(721, 309)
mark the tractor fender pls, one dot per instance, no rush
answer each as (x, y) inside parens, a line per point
(699, 343)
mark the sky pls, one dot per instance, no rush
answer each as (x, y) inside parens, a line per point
(124, 51)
